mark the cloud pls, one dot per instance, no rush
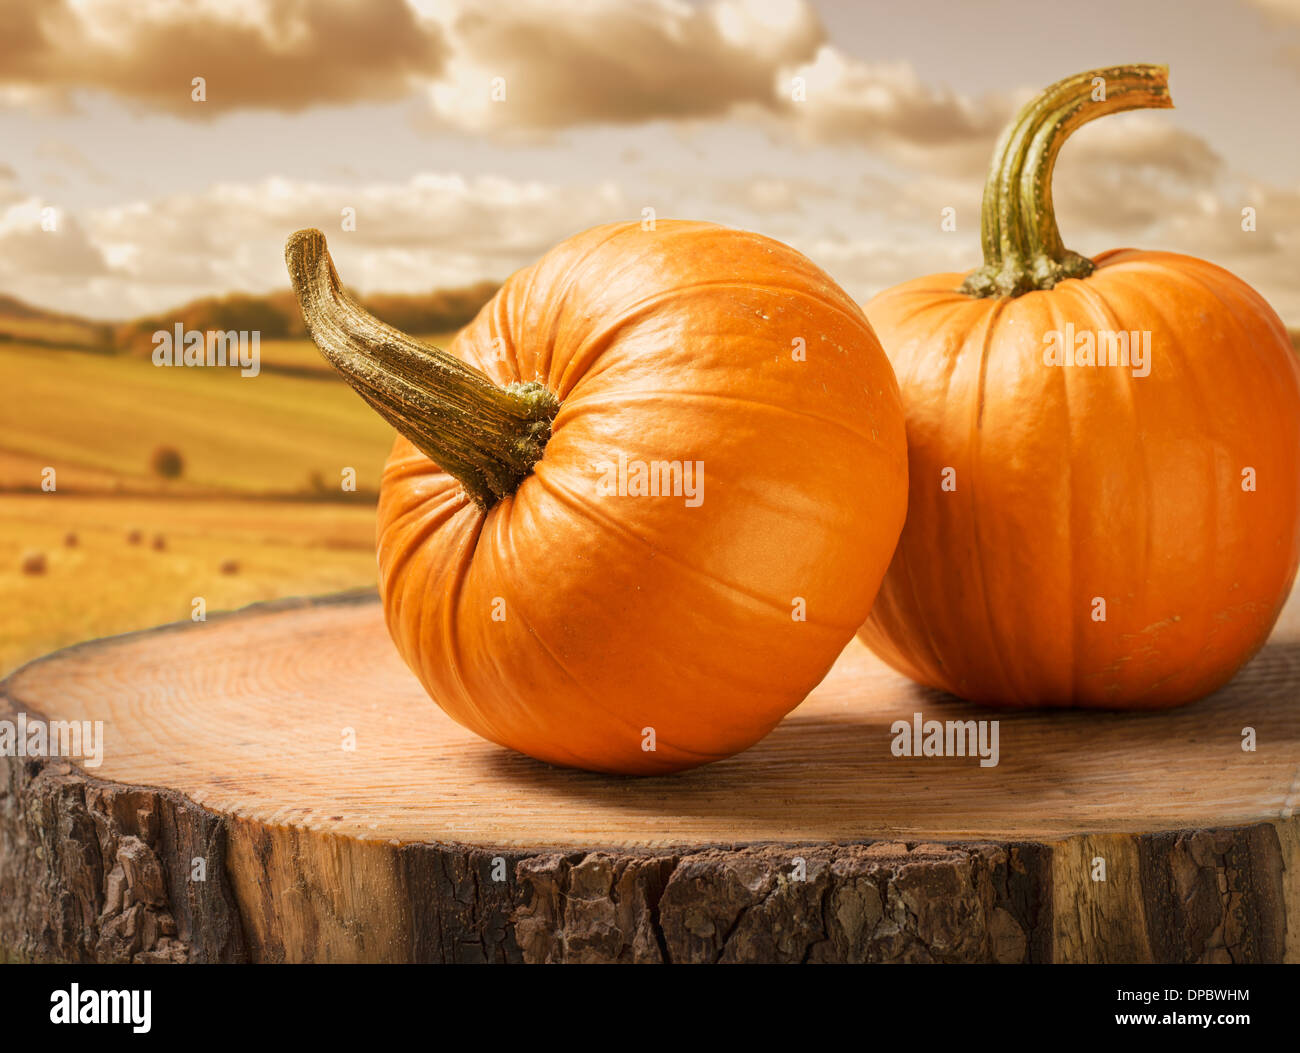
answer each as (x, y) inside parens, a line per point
(1134, 179)
(434, 230)
(576, 62)
(38, 239)
(572, 63)
(1124, 175)
(564, 62)
(443, 229)
(531, 67)
(65, 155)
(10, 191)
(1129, 181)
(277, 54)
(849, 100)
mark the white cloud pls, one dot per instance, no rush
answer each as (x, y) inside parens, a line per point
(435, 230)
(884, 103)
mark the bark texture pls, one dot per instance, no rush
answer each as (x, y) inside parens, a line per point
(92, 871)
(96, 872)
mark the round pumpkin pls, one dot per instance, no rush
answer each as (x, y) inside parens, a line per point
(642, 502)
(1116, 534)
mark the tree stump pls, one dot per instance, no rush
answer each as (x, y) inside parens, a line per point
(275, 786)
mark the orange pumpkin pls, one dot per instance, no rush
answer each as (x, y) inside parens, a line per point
(1105, 535)
(641, 504)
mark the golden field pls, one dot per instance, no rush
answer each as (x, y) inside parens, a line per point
(261, 486)
(258, 512)
(112, 579)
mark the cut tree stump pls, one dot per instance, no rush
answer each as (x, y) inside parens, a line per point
(230, 822)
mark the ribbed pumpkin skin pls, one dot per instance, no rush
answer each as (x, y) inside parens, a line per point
(621, 612)
(1074, 483)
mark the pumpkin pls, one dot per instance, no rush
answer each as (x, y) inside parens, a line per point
(1085, 528)
(641, 503)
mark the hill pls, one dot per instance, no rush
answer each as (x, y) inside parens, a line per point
(274, 315)
(33, 325)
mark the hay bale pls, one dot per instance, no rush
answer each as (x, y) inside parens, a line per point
(134, 537)
(229, 566)
(34, 563)
(159, 543)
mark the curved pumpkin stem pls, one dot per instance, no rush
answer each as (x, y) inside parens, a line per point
(487, 436)
(1022, 244)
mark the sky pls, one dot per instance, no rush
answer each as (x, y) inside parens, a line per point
(470, 137)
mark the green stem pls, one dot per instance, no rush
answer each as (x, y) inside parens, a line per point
(487, 436)
(1022, 244)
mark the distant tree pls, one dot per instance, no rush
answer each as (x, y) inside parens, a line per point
(276, 315)
(168, 462)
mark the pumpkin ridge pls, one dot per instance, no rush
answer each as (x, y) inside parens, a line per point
(974, 445)
(579, 759)
(1231, 310)
(449, 604)
(645, 308)
(1205, 404)
(432, 513)
(1095, 290)
(945, 677)
(570, 277)
(498, 328)
(570, 499)
(901, 558)
(588, 403)
(576, 271)
(927, 301)
(1074, 506)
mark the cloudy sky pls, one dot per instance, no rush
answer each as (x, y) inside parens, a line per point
(611, 106)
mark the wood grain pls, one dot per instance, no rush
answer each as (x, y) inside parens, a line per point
(427, 843)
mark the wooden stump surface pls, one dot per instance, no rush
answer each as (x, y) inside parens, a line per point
(225, 744)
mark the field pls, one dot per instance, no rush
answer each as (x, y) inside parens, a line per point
(20, 322)
(97, 419)
(258, 511)
(112, 579)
